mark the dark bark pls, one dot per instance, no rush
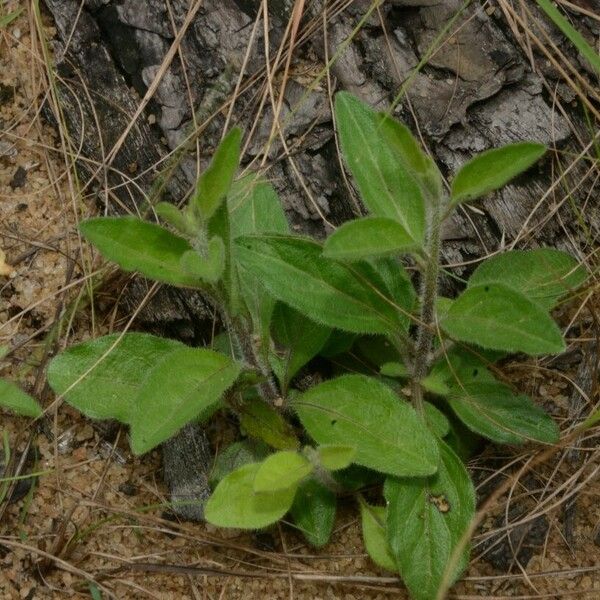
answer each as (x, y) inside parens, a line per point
(476, 93)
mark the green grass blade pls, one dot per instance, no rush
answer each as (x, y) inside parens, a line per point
(574, 36)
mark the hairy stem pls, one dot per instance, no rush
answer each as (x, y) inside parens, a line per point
(429, 287)
(242, 339)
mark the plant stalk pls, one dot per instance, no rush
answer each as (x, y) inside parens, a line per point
(429, 288)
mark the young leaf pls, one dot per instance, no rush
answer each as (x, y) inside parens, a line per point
(409, 151)
(385, 182)
(209, 268)
(436, 420)
(314, 512)
(176, 218)
(183, 385)
(493, 169)
(460, 367)
(374, 536)
(300, 339)
(262, 422)
(426, 518)
(16, 400)
(544, 275)
(236, 455)
(215, 182)
(281, 471)
(358, 411)
(368, 237)
(334, 458)
(498, 317)
(255, 208)
(493, 411)
(394, 369)
(139, 246)
(330, 292)
(234, 503)
(102, 378)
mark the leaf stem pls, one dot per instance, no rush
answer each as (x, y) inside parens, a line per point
(429, 288)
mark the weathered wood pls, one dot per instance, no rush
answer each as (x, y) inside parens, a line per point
(475, 93)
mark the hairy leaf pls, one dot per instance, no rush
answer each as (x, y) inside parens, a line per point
(176, 218)
(426, 518)
(139, 246)
(16, 400)
(215, 182)
(384, 180)
(355, 410)
(334, 458)
(236, 455)
(300, 340)
(373, 520)
(436, 420)
(493, 169)
(314, 512)
(544, 275)
(102, 378)
(492, 410)
(281, 471)
(209, 268)
(409, 151)
(294, 272)
(498, 317)
(263, 422)
(255, 208)
(366, 238)
(234, 503)
(182, 386)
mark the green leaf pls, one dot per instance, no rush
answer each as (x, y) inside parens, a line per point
(368, 237)
(359, 411)
(498, 317)
(183, 385)
(294, 271)
(493, 411)
(397, 281)
(300, 340)
(334, 458)
(215, 182)
(409, 152)
(543, 275)
(236, 455)
(394, 369)
(16, 400)
(314, 512)
(234, 503)
(281, 471)
(254, 207)
(261, 421)
(460, 366)
(585, 49)
(386, 185)
(374, 536)
(426, 518)
(102, 378)
(176, 218)
(139, 246)
(209, 268)
(493, 169)
(436, 420)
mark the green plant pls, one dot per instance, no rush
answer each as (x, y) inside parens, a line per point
(283, 299)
